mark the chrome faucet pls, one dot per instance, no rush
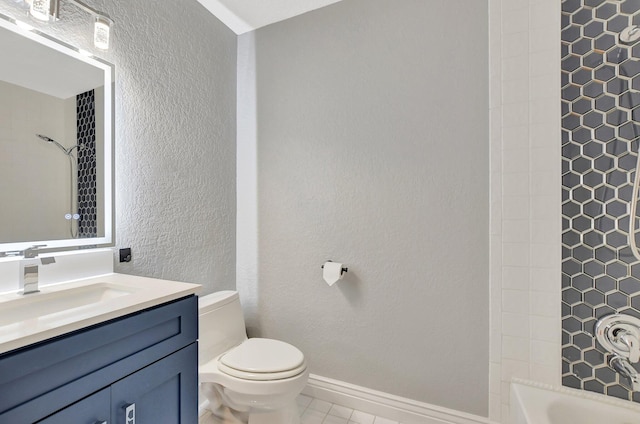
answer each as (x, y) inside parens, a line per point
(29, 269)
(624, 368)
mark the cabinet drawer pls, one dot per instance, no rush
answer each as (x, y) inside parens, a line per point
(35, 379)
(93, 409)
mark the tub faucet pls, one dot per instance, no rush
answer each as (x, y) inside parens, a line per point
(624, 368)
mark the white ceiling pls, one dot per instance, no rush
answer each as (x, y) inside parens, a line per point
(247, 15)
(37, 67)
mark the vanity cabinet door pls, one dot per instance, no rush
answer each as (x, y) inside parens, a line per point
(93, 409)
(164, 392)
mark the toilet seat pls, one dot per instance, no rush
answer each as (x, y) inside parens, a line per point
(262, 360)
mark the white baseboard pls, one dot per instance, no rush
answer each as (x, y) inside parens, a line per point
(403, 410)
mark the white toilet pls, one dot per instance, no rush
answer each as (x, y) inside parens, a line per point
(254, 381)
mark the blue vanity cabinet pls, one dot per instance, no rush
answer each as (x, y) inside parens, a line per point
(144, 362)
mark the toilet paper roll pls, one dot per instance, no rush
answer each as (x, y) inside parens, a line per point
(332, 272)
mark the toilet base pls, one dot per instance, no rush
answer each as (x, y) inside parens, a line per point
(287, 415)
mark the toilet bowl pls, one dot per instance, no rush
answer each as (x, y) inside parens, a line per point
(254, 381)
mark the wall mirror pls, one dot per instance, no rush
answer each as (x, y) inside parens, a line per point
(55, 142)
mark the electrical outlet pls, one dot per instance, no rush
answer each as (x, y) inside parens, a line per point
(125, 255)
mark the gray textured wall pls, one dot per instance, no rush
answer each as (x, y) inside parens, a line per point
(175, 134)
(370, 140)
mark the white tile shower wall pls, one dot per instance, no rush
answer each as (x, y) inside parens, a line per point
(525, 206)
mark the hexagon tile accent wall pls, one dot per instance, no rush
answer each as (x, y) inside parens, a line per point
(87, 188)
(600, 139)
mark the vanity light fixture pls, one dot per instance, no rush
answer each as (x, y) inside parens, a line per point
(45, 10)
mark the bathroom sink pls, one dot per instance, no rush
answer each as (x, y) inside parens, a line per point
(52, 305)
(62, 308)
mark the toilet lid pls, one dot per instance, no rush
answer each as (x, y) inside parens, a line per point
(262, 357)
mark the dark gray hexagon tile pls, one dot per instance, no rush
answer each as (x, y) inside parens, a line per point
(571, 381)
(617, 270)
(628, 131)
(593, 238)
(629, 100)
(605, 284)
(617, 300)
(582, 46)
(617, 117)
(604, 224)
(625, 192)
(604, 254)
(593, 268)
(603, 73)
(593, 119)
(603, 43)
(593, 209)
(629, 286)
(570, 238)
(582, 223)
(627, 162)
(583, 282)
(594, 3)
(571, 296)
(618, 391)
(616, 178)
(570, 63)
(616, 86)
(629, 7)
(593, 179)
(593, 386)
(635, 302)
(582, 370)
(592, 29)
(571, 33)
(582, 312)
(630, 68)
(593, 60)
(571, 267)
(617, 147)
(571, 121)
(602, 311)
(617, 55)
(583, 105)
(571, 209)
(605, 11)
(603, 164)
(582, 194)
(603, 103)
(593, 298)
(605, 133)
(582, 16)
(617, 23)
(625, 255)
(606, 375)
(593, 357)
(571, 353)
(581, 165)
(571, 92)
(616, 209)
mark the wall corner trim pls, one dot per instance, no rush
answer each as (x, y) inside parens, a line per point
(386, 405)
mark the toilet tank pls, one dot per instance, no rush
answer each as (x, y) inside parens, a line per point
(221, 324)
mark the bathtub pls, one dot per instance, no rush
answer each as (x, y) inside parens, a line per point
(535, 403)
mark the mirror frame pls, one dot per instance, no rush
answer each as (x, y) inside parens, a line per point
(33, 34)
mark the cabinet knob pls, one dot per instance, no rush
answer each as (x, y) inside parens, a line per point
(130, 414)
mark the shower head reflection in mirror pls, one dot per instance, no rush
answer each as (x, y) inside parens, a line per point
(73, 216)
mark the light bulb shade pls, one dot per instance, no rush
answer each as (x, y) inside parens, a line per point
(40, 9)
(101, 30)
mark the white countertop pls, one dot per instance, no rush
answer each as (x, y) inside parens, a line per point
(66, 307)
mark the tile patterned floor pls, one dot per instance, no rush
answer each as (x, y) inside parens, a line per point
(315, 411)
